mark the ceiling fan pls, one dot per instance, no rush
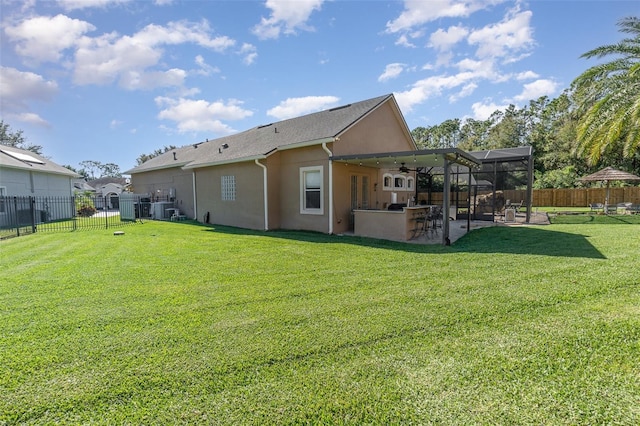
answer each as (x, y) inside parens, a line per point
(405, 170)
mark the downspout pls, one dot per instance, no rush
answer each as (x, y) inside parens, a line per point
(264, 189)
(330, 154)
(195, 199)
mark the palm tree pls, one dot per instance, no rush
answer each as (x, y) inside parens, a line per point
(608, 98)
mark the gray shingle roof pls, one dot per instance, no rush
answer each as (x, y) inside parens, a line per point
(17, 158)
(260, 141)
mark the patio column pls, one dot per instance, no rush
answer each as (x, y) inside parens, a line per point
(446, 201)
(529, 186)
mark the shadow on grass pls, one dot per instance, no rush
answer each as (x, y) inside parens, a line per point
(596, 219)
(494, 239)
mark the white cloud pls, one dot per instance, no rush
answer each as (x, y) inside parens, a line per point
(534, 90)
(505, 38)
(103, 59)
(248, 51)
(526, 75)
(391, 71)
(420, 12)
(19, 87)
(200, 115)
(85, 4)
(134, 80)
(467, 90)
(403, 40)
(286, 17)
(44, 38)
(482, 111)
(30, 118)
(444, 40)
(431, 87)
(294, 107)
(205, 69)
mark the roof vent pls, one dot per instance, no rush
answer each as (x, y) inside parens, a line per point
(174, 156)
(265, 125)
(340, 107)
(225, 145)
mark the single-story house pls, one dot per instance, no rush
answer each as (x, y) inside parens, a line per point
(306, 173)
(24, 173)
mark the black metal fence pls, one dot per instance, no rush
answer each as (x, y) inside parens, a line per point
(26, 215)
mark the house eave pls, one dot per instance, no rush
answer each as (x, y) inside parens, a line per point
(151, 169)
(71, 174)
(306, 143)
(192, 166)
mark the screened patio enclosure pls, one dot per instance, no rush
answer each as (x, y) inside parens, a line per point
(421, 162)
(504, 178)
(469, 185)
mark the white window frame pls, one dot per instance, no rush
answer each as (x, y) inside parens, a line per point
(410, 183)
(303, 190)
(384, 178)
(403, 179)
(228, 188)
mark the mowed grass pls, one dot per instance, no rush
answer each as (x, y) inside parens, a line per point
(178, 323)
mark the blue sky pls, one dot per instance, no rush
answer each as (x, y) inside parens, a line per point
(108, 80)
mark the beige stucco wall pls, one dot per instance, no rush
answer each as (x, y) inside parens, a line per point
(160, 182)
(382, 130)
(290, 163)
(247, 210)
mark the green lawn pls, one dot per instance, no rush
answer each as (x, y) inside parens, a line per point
(176, 323)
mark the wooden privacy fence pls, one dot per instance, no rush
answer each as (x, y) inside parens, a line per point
(567, 197)
(581, 197)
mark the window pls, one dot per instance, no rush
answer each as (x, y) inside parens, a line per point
(311, 191)
(399, 182)
(410, 182)
(387, 182)
(228, 189)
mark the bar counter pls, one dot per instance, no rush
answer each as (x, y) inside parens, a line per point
(397, 225)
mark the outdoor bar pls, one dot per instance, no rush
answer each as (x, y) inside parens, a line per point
(397, 225)
(400, 224)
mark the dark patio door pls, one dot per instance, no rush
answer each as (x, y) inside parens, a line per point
(359, 195)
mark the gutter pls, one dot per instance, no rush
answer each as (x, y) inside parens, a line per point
(195, 198)
(266, 199)
(330, 154)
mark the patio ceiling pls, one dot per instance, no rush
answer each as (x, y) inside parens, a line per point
(427, 158)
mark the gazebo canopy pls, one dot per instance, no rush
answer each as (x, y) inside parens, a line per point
(608, 174)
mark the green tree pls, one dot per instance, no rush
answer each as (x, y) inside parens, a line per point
(16, 139)
(608, 97)
(143, 158)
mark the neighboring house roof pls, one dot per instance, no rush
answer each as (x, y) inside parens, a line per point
(17, 158)
(259, 142)
(82, 185)
(100, 182)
